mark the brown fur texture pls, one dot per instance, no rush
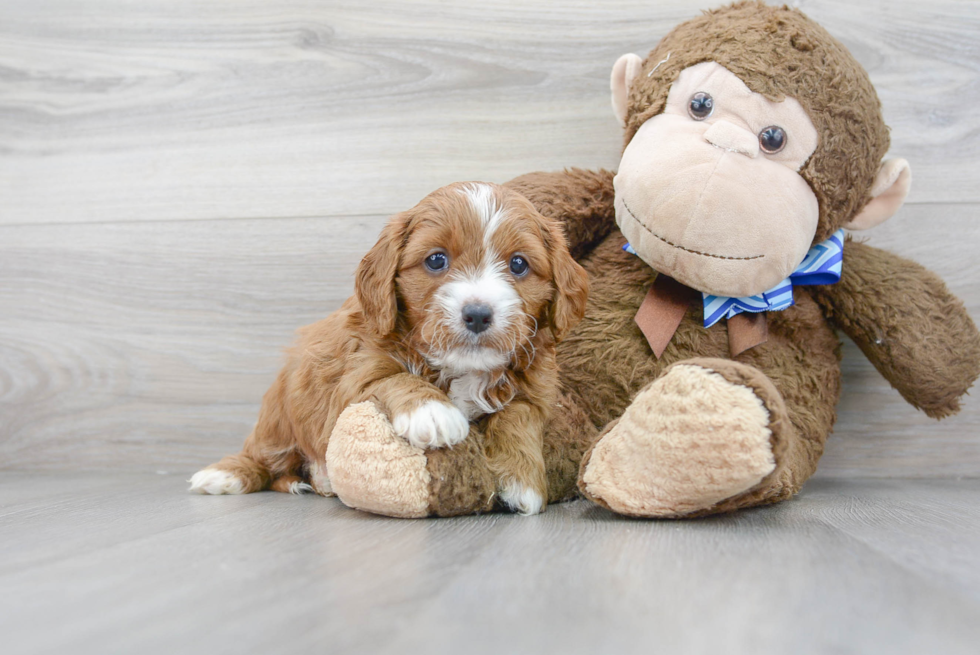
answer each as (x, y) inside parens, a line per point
(583, 199)
(392, 345)
(912, 329)
(606, 361)
(461, 481)
(905, 320)
(902, 316)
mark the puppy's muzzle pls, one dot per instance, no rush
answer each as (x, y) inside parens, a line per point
(477, 317)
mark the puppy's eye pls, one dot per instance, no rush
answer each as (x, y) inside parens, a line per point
(519, 265)
(437, 261)
(700, 106)
(772, 139)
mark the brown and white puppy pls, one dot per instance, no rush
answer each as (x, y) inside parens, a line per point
(455, 317)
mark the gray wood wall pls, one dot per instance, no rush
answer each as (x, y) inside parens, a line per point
(184, 183)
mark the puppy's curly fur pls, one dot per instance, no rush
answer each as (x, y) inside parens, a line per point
(407, 341)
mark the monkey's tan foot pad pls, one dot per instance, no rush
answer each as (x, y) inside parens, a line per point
(372, 469)
(687, 442)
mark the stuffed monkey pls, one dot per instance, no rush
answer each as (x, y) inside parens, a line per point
(705, 375)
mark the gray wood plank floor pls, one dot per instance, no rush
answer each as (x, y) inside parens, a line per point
(126, 563)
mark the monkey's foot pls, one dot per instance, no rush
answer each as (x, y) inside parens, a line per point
(373, 469)
(696, 437)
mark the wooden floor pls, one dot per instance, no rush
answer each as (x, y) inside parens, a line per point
(184, 183)
(129, 564)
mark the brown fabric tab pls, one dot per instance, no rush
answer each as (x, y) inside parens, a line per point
(662, 311)
(747, 330)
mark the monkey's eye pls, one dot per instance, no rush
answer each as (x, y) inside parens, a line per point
(701, 106)
(772, 139)
(518, 265)
(437, 261)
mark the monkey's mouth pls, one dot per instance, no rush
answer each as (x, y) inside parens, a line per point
(678, 246)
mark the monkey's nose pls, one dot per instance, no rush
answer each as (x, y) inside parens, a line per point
(477, 317)
(729, 136)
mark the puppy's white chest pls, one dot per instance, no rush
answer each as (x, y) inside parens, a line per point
(468, 393)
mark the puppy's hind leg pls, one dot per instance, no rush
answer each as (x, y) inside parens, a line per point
(292, 484)
(269, 453)
(235, 474)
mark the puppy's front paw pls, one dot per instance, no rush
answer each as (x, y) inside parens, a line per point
(521, 499)
(432, 424)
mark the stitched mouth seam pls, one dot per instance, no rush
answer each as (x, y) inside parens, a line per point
(679, 247)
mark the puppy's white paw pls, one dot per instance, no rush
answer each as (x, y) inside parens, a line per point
(433, 424)
(521, 499)
(300, 488)
(215, 482)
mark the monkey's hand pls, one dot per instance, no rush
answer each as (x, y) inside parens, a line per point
(915, 332)
(583, 201)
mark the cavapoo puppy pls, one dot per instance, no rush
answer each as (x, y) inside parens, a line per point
(455, 317)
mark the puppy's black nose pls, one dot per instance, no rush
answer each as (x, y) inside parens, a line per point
(477, 317)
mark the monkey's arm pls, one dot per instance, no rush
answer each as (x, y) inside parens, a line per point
(582, 200)
(915, 332)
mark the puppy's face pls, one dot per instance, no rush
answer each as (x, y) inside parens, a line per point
(475, 273)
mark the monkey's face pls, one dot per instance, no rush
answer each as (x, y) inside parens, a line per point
(709, 191)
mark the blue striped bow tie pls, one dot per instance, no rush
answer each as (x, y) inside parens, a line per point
(822, 265)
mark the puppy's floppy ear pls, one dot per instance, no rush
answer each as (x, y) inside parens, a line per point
(374, 281)
(571, 285)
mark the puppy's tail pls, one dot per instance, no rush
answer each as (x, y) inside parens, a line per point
(235, 474)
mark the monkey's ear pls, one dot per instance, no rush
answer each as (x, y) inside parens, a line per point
(624, 71)
(888, 194)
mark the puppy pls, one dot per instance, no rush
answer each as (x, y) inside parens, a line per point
(455, 317)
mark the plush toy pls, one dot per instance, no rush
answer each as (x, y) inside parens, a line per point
(705, 374)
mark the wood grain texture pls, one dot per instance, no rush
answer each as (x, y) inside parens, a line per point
(112, 110)
(183, 185)
(130, 563)
(147, 345)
